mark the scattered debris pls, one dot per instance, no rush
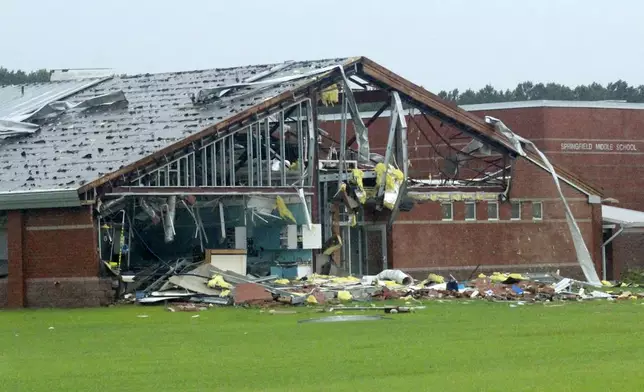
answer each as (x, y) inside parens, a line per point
(251, 294)
(194, 287)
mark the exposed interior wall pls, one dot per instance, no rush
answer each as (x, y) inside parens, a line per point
(53, 259)
(263, 241)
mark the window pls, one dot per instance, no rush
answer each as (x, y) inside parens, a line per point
(493, 210)
(537, 210)
(470, 211)
(516, 210)
(447, 210)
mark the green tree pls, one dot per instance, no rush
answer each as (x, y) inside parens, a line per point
(529, 91)
(21, 77)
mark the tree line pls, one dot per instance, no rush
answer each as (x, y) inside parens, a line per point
(21, 77)
(528, 91)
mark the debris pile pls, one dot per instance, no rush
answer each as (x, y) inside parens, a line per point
(202, 285)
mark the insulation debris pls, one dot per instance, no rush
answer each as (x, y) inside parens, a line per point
(283, 210)
(206, 284)
(393, 179)
(330, 95)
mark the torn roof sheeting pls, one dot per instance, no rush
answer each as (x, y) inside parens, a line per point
(17, 102)
(78, 147)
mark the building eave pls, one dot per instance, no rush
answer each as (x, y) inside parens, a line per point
(45, 198)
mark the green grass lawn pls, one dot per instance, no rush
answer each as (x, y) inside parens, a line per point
(450, 346)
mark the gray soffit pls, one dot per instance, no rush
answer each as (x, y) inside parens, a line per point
(79, 147)
(46, 198)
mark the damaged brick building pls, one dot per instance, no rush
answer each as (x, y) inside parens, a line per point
(600, 141)
(123, 178)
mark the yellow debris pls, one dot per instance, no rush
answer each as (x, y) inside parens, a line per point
(284, 212)
(282, 281)
(498, 277)
(482, 276)
(344, 296)
(606, 283)
(224, 293)
(393, 179)
(330, 95)
(389, 283)
(311, 300)
(218, 281)
(357, 178)
(344, 279)
(633, 297)
(354, 220)
(113, 264)
(435, 278)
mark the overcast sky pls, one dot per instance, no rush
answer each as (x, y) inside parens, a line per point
(441, 44)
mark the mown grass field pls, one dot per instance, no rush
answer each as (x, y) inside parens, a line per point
(450, 346)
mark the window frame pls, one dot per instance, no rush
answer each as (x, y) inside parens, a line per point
(473, 204)
(512, 204)
(540, 204)
(495, 203)
(451, 209)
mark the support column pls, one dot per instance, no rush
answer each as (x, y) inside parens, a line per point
(595, 245)
(16, 278)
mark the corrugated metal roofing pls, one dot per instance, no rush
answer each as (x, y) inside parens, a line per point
(79, 147)
(17, 101)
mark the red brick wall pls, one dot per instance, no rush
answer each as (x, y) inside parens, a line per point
(628, 250)
(423, 158)
(47, 247)
(618, 172)
(60, 243)
(422, 241)
(15, 247)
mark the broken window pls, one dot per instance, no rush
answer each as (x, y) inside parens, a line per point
(537, 210)
(448, 211)
(516, 210)
(470, 211)
(493, 210)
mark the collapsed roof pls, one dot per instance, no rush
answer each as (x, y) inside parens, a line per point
(80, 147)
